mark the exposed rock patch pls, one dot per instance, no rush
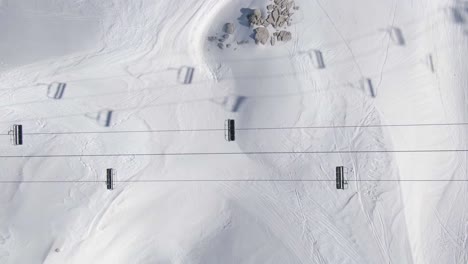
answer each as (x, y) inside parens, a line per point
(284, 36)
(229, 28)
(261, 35)
(256, 18)
(212, 38)
(278, 15)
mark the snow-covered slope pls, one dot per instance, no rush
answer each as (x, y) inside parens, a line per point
(124, 57)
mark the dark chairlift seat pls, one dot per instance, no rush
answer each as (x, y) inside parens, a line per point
(110, 179)
(341, 183)
(16, 133)
(230, 130)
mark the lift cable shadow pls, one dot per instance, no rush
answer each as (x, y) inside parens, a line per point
(320, 66)
(417, 151)
(397, 68)
(188, 78)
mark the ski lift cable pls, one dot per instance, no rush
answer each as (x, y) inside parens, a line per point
(241, 129)
(228, 180)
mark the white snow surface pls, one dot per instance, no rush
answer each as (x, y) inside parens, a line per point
(124, 56)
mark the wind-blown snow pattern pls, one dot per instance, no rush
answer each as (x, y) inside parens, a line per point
(118, 62)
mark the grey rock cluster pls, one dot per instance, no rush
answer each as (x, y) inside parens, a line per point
(224, 38)
(256, 19)
(228, 29)
(283, 35)
(261, 35)
(279, 15)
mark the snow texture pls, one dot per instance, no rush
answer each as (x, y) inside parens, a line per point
(145, 65)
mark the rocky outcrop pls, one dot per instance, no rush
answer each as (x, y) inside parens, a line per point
(261, 35)
(278, 15)
(256, 19)
(284, 36)
(229, 28)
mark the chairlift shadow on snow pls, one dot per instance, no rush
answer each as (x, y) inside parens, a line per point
(185, 74)
(316, 57)
(103, 117)
(429, 61)
(396, 35)
(455, 15)
(458, 12)
(368, 87)
(56, 90)
(230, 103)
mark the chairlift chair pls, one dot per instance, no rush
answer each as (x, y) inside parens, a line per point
(110, 179)
(341, 182)
(230, 130)
(16, 135)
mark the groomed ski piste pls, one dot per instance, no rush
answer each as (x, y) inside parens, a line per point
(103, 84)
